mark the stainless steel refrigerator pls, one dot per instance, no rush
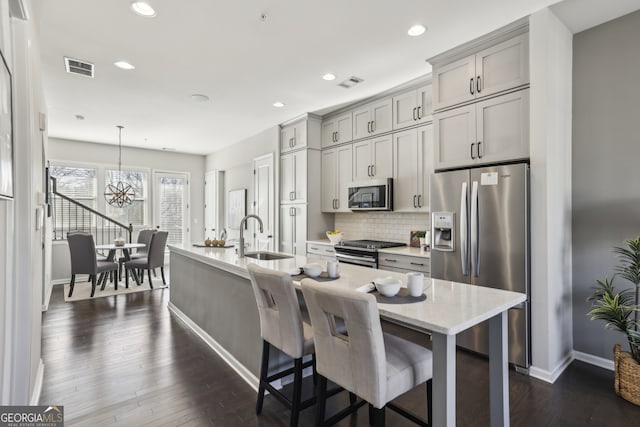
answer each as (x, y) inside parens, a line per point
(480, 235)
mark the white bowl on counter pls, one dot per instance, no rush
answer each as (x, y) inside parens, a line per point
(312, 270)
(335, 238)
(387, 286)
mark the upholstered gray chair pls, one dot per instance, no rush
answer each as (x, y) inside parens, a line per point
(84, 261)
(154, 259)
(282, 326)
(144, 236)
(376, 366)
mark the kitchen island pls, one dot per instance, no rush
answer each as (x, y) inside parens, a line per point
(211, 292)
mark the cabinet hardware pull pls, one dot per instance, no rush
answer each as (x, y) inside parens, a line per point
(419, 113)
(311, 247)
(373, 126)
(419, 204)
(373, 170)
(472, 156)
(480, 155)
(293, 140)
(478, 85)
(329, 250)
(471, 85)
(370, 127)
(417, 263)
(337, 136)
(414, 201)
(414, 113)
(391, 260)
(369, 170)
(337, 203)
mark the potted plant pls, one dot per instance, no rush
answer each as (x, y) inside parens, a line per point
(619, 310)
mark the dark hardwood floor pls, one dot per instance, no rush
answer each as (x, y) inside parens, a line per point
(126, 361)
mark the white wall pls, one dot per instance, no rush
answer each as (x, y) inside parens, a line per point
(550, 65)
(236, 162)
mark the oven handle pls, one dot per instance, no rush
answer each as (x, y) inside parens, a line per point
(350, 259)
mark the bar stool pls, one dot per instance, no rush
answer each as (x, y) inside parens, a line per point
(376, 366)
(281, 326)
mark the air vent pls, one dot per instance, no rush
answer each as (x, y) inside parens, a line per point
(75, 66)
(350, 82)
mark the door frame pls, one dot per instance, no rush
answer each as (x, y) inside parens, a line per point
(187, 207)
(270, 157)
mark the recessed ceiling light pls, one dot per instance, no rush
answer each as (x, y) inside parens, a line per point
(198, 97)
(329, 76)
(143, 8)
(416, 30)
(124, 65)
(278, 104)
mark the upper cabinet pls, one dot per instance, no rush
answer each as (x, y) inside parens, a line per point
(413, 157)
(494, 69)
(490, 131)
(337, 130)
(293, 177)
(303, 132)
(412, 107)
(373, 158)
(373, 119)
(336, 176)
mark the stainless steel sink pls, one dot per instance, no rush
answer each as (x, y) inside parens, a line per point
(267, 256)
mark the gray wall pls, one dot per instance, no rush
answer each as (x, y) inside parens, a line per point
(606, 176)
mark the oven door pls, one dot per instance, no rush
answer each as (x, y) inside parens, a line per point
(363, 260)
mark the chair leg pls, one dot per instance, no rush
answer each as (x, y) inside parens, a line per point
(378, 417)
(126, 277)
(430, 402)
(93, 285)
(135, 276)
(264, 370)
(315, 372)
(102, 281)
(150, 282)
(154, 273)
(297, 392)
(116, 277)
(321, 400)
(371, 415)
(71, 285)
(352, 398)
(89, 278)
(164, 282)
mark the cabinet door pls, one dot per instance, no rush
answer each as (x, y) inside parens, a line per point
(454, 134)
(344, 168)
(286, 139)
(454, 83)
(425, 153)
(381, 116)
(425, 104)
(329, 177)
(405, 109)
(344, 128)
(328, 132)
(407, 168)
(502, 125)
(382, 157)
(287, 213)
(361, 125)
(299, 229)
(287, 178)
(300, 176)
(503, 66)
(293, 136)
(362, 160)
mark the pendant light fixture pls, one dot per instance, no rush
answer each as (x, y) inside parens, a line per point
(119, 194)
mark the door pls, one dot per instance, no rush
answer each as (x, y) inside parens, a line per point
(407, 167)
(382, 157)
(213, 203)
(425, 104)
(454, 83)
(329, 177)
(503, 66)
(264, 200)
(171, 203)
(381, 116)
(344, 168)
(362, 161)
(361, 122)
(454, 134)
(286, 228)
(328, 133)
(450, 195)
(405, 109)
(425, 153)
(344, 128)
(293, 177)
(293, 229)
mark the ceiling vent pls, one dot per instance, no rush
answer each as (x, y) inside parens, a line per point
(75, 66)
(350, 82)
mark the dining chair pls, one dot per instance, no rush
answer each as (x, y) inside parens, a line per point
(376, 366)
(281, 326)
(84, 260)
(154, 259)
(144, 237)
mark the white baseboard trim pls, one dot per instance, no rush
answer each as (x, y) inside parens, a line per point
(593, 360)
(60, 282)
(240, 369)
(47, 298)
(37, 387)
(551, 376)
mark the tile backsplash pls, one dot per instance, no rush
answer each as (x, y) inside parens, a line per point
(389, 226)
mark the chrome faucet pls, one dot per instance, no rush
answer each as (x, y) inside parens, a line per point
(242, 225)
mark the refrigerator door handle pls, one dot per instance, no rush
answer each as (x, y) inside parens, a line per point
(475, 255)
(464, 247)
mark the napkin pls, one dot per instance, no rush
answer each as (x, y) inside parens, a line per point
(369, 287)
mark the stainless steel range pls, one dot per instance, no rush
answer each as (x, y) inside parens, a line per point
(362, 252)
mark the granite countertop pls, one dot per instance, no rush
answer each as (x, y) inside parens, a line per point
(450, 307)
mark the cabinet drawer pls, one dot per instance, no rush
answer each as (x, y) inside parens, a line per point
(320, 249)
(401, 270)
(403, 262)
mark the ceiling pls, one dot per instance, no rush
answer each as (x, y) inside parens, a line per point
(242, 62)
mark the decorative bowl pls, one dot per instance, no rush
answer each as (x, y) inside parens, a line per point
(387, 286)
(335, 238)
(312, 270)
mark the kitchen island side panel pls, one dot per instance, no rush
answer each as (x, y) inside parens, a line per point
(222, 304)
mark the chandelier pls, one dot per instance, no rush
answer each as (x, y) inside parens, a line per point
(119, 194)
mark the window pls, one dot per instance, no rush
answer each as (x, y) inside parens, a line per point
(136, 213)
(79, 183)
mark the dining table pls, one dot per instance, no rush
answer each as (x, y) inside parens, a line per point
(125, 248)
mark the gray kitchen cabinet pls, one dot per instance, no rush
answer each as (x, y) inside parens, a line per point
(413, 157)
(412, 107)
(322, 251)
(293, 229)
(373, 159)
(293, 177)
(495, 69)
(373, 119)
(337, 130)
(293, 136)
(403, 263)
(489, 131)
(337, 170)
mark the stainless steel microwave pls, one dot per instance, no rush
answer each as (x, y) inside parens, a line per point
(374, 195)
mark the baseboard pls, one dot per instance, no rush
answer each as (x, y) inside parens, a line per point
(551, 376)
(240, 369)
(593, 360)
(37, 387)
(45, 306)
(60, 282)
